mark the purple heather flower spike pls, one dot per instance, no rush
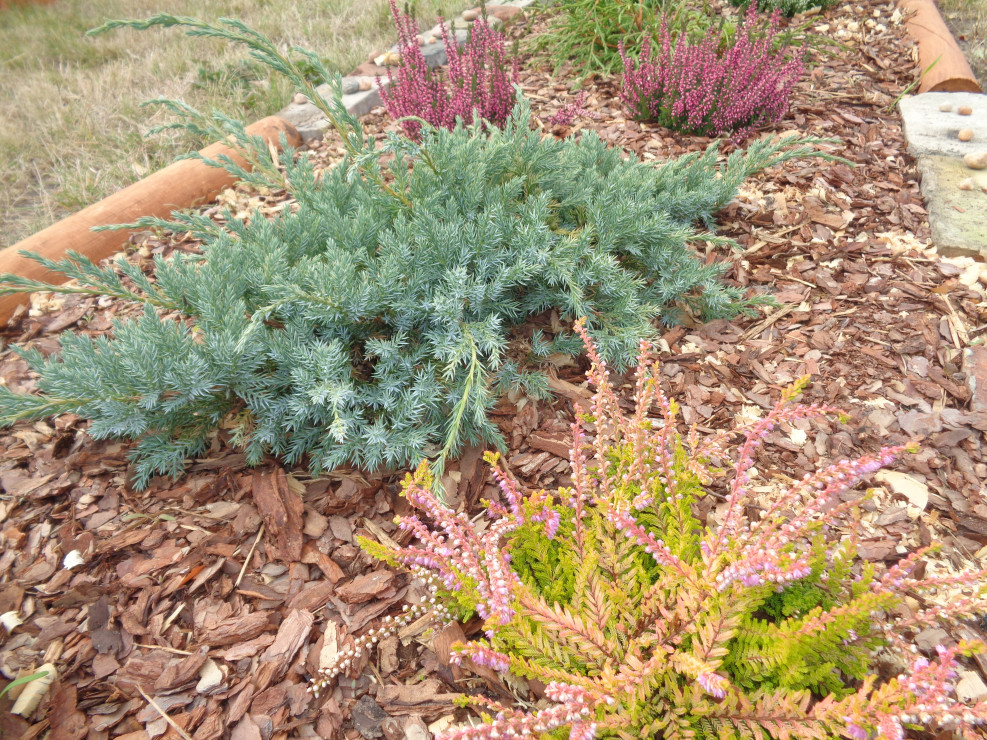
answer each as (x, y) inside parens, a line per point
(699, 89)
(478, 80)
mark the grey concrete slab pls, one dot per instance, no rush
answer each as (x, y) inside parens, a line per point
(312, 124)
(932, 132)
(360, 103)
(958, 218)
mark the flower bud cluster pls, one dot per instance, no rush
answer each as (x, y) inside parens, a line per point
(523, 725)
(362, 645)
(713, 684)
(481, 655)
(459, 555)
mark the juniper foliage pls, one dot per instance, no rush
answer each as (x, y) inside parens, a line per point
(788, 8)
(369, 326)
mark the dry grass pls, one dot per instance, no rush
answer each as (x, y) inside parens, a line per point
(72, 129)
(967, 19)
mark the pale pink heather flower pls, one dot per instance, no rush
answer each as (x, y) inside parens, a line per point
(713, 684)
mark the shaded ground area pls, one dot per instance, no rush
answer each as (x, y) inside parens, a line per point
(967, 19)
(217, 596)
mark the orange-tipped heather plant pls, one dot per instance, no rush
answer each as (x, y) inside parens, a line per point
(645, 622)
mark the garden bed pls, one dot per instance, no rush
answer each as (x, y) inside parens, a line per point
(211, 596)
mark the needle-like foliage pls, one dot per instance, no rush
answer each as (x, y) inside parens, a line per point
(369, 325)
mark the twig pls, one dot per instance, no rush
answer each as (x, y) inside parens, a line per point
(174, 725)
(246, 562)
(769, 321)
(176, 651)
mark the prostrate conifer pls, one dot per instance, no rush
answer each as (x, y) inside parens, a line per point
(370, 326)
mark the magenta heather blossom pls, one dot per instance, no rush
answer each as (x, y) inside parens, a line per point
(697, 89)
(568, 113)
(477, 82)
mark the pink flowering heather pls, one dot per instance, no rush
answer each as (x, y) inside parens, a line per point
(643, 620)
(476, 82)
(699, 89)
(570, 111)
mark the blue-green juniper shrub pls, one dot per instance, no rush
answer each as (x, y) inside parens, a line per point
(369, 325)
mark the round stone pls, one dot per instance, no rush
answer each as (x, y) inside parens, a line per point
(964, 110)
(965, 134)
(976, 161)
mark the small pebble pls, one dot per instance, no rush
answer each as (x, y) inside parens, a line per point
(365, 84)
(946, 107)
(470, 15)
(968, 184)
(976, 161)
(387, 59)
(964, 134)
(964, 110)
(299, 99)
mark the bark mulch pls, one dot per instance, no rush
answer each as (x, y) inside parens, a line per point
(199, 608)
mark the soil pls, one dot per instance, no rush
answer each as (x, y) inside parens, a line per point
(968, 23)
(209, 600)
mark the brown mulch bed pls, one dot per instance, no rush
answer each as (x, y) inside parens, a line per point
(209, 599)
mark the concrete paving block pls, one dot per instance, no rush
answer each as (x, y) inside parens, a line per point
(360, 103)
(307, 120)
(312, 124)
(932, 132)
(958, 218)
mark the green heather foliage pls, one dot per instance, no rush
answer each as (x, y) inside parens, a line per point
(588, 33)
(644, 621)
(370, 327)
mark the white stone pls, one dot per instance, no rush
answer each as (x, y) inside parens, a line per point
(210, 677)
(970, 687)
(976, 160)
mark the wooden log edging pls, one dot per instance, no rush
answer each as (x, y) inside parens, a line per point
(188, 183)
(183, 184)
(939, 56)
